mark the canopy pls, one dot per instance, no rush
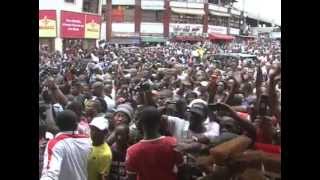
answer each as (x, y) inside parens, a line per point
(249, 37)
(125, 40)
(216, 36)
(144, 7)
(188, 38)
(153, 39)
(216, 13)
(188, 11)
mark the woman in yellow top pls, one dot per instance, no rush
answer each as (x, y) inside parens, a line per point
(100, 157)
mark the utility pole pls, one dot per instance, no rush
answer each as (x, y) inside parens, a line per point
(108, 15)
(229, 18)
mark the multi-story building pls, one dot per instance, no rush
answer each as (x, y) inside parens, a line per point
(65, 23)
(136, 21)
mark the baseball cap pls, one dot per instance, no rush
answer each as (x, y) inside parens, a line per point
(100, 122)
(198, 108)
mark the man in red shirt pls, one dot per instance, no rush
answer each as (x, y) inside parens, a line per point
(154, 156)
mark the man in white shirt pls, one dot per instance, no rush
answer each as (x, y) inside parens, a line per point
(108, 97)
(65, 157)
(198, 127)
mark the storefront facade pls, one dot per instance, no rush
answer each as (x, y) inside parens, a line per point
(85, 22)
(79, 29)
(152, 22)
(68, 23)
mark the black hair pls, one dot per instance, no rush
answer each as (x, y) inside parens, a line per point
(150, 117)
(192, 95)
(46, 97)
(237, 100)
(103, 105)
(124, 126)
(67, 120)
(74, 105)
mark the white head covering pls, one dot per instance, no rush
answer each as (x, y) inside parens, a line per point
(197, 101)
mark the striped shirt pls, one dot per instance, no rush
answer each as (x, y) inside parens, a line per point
(65, 157)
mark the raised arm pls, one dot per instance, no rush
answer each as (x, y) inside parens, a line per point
(259, 79)
(212, 88)
(56, 92)
(274, 103)
(235, 84)
(244, 124)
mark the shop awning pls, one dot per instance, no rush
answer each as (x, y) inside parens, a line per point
(249, 37)
(188, 38)
(188, 11)
(152, 8)
(216, 13)
(216, 36)
(153, 39)
(125, 40)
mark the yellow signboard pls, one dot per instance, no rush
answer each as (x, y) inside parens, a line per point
(47, 23)
(92, 30)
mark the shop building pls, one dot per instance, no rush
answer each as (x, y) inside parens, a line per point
(67, 23)
(141, 21)
(136, 22)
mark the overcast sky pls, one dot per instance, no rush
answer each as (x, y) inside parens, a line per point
(269, 9)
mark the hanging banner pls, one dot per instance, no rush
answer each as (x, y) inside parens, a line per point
(186, 29)
(47, 23)
(92, 28)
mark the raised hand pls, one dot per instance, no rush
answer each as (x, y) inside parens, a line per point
(259, 77)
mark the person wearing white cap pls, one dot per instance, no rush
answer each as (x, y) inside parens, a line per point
(100, 157)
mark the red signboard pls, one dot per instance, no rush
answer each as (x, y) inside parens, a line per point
(72, 25)
(49, 14)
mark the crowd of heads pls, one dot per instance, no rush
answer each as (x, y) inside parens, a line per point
(138, 89)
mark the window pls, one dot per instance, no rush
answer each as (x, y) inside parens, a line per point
(186, 18)
(213, 1)
(91, 6)
(122, 13)
(69, 1)
(152, 16)
(235, 22)
(218, 21)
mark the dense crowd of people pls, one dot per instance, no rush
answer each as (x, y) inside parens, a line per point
(167, 112)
